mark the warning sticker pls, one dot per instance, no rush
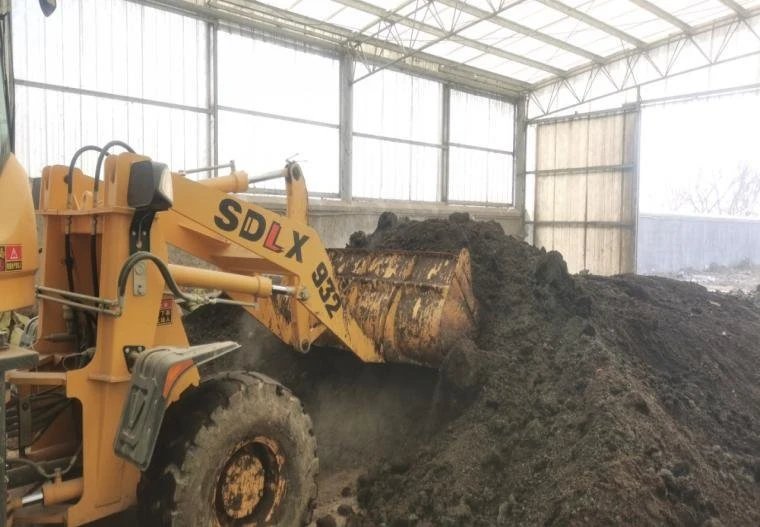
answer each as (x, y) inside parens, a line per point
(11, 258)
(166, 310)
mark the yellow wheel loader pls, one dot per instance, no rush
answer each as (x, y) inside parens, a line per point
(107, 406)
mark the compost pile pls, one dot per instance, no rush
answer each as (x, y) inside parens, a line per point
(584, 400)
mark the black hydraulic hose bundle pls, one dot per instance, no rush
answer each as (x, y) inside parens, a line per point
(45, 407)
(101, 157)
(69, 257)
(93, 235)
(72, 165)
(68, 253)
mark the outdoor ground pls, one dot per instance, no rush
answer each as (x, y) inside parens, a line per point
(721, 278)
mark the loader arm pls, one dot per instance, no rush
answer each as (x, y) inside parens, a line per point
(242, 237)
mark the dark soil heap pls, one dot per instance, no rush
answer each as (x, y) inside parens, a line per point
(584, 401)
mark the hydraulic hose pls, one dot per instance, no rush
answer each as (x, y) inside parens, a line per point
(72, 165)
(40, 469)
(101, 157)
(68, 253)
(94, 234)
(162, 267)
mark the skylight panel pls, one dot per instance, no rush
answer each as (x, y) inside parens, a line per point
(321, 10)
(351, 18)
(453, 51)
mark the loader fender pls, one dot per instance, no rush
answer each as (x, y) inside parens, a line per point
(159, 377)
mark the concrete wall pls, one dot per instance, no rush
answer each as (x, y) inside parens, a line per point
(668, 243)
(335, 221)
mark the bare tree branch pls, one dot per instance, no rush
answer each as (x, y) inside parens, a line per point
(728, 192)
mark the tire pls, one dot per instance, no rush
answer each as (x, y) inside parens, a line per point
(238, 450)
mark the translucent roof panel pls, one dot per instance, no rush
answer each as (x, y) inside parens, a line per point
(697, 12)
(537, 50)
(628, 17)
(509, 68)
(452, 51)
(283, 4)
(436, 14)
(538, 16)
(534, 15)
(402, 35)
(321, 10)
(523, 41)
(351, 18)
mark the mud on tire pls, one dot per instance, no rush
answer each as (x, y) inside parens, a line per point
(238, 450)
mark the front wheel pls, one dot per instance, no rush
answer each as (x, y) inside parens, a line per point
(239, 450)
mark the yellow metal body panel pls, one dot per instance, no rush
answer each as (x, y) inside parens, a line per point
(101, 386)
(18, 238)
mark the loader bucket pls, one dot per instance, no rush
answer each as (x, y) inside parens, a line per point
(413, 305)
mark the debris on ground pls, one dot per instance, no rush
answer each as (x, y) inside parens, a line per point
(584, 400)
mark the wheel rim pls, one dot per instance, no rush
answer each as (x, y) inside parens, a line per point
(250, 486)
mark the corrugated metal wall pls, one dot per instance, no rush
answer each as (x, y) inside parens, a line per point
(667, 243)
(586, 190)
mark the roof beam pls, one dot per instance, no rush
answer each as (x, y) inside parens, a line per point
(451, 36)
(445, 36)
(635, 61)
(591, 21)
(297, 28)
(523, 30)
(384, 18)
(453, 32)
(666, 16)
(735, 7)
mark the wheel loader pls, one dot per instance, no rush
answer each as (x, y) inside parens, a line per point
(107, 405)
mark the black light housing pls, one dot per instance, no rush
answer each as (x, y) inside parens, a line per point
(150, 186)
(48, 6)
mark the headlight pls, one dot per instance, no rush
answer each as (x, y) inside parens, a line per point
(150, 186)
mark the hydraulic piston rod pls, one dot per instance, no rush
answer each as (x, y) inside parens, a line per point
(259, 286)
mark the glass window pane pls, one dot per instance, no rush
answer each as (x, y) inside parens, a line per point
(270, 78)
(479, 176)
(481, 121)
(397, 105)
(113, 46)
(178, 138)
(262, 144)
(392, 170)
